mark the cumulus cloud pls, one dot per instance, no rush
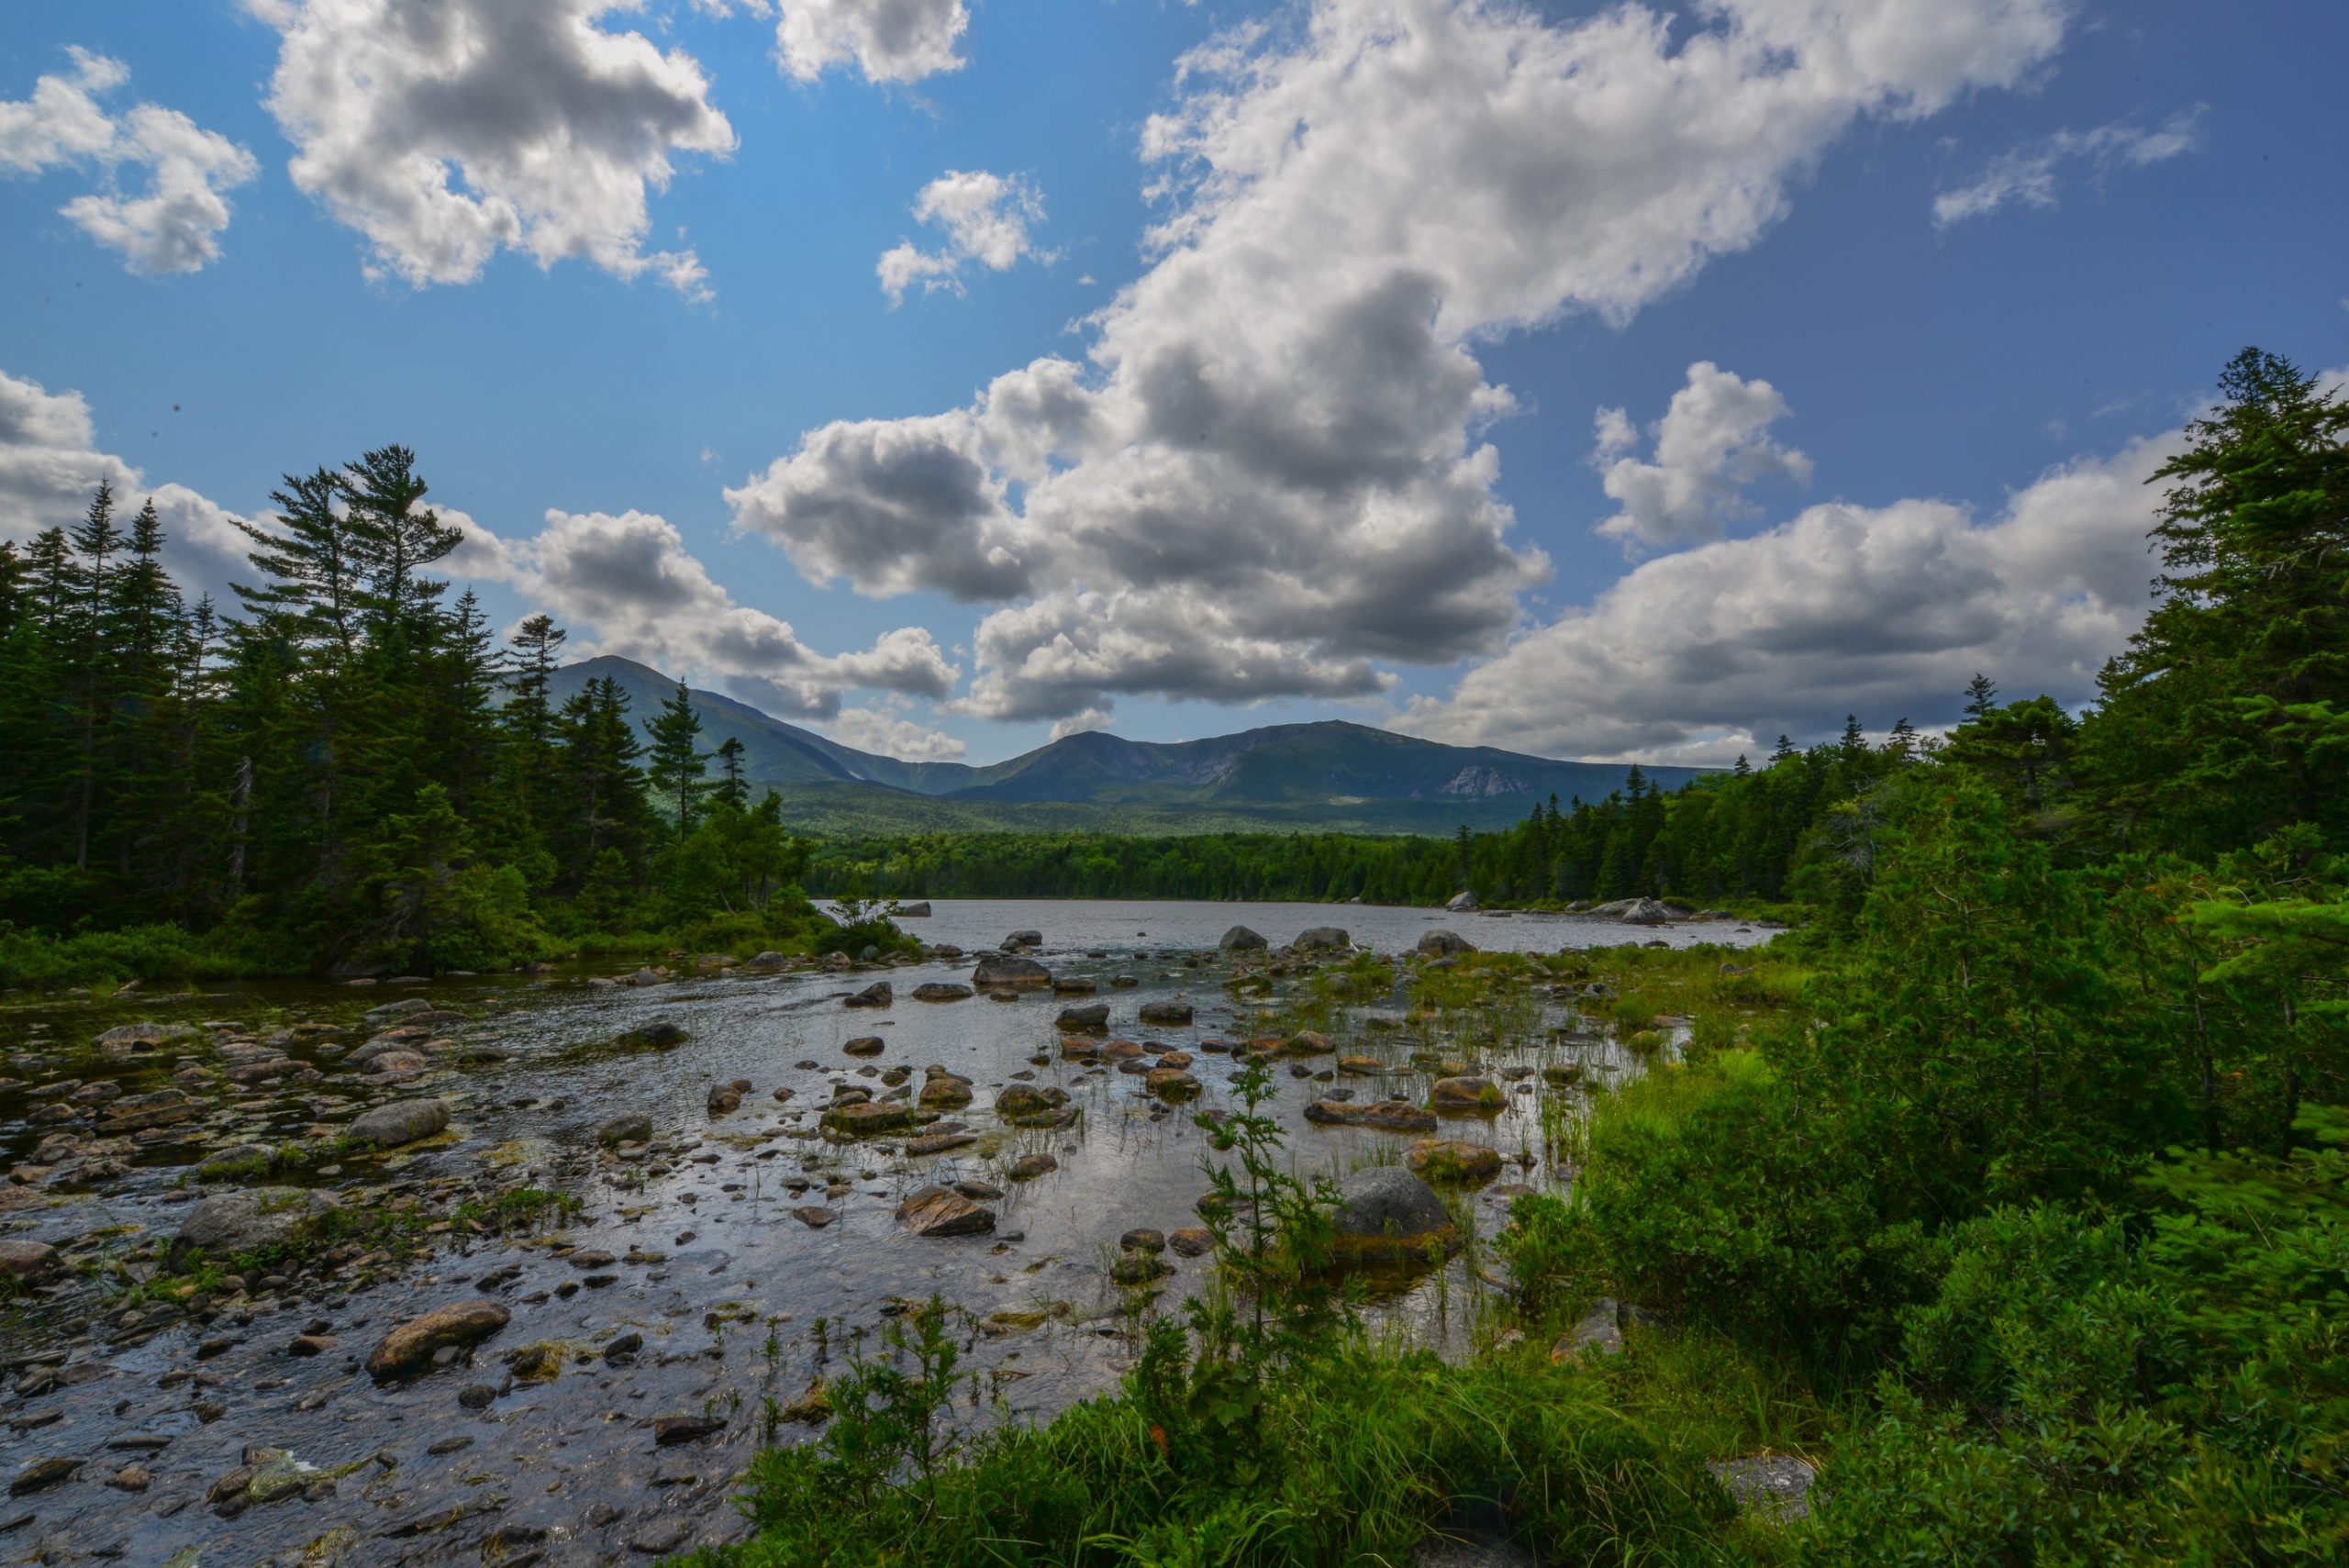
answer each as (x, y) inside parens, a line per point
(51, 466)
(889, 733)
(170, 224)
(1083, 723)
(1884, 611)
(985, 218)
(447, 132)
(2028, 175)
(887, 41)
(1713, 442)
(1272, 468)
(632, 583)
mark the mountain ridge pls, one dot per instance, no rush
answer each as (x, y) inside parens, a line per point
(1328, 775)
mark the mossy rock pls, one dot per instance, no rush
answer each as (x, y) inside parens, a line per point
(1452, 1161)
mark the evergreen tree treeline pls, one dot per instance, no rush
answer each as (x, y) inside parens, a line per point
(345, 768)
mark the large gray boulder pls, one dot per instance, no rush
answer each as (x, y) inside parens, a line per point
(1091, 1019)
(402, 1122)
(1239, 939)
(1023, 939)
(1462, 902)
(1445, 944)
(1387, 1212)
(999, 970)
(1321, 939)
(229, 1223)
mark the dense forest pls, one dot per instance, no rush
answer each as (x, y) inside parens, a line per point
(2015, 1184)
(344, 770)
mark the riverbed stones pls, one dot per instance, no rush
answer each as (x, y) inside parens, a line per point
(1308, 1042)
(1388, 1116)
(877, 994)
(411, 1345)
(1091, 1019)
(629, 1126)
(28, 1262)
(723, 1100)
(229, 1223)
(1172, 1083)
(1361, 1066)
(140, 1113)
(942, 991)
(1167, 1015)
(41, 1474)
(131, 1040)
(1445, 944)
(865, 1045)
(1028, 1167)
(1481, 1096)
(1006, 971)
(670, 1430)
(1019, 940)
(659, 1034)
(1322, 939)
(1387, 1212)
(1239, 939)
(1452, 1159)
(942, 1090)
(402, 1122)
(942, 1212)
(938, 1142)
(1191, 1242)
(868, 1118)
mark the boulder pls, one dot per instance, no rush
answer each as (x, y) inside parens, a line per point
(402, 1122)
(1600, 1333)
(869, 1119)
(1172, 1083)
(656, 1036)
(941, 1211)
(1388, 1116)
(918, 910)
(137, 1113)
(1481, 1096)
(1091, 1019)
(942, 991)
(1445, 944)
(876, 994)
(400, 1008)
(409, 1346)
(1451, 1160)
(1002, 971)
(1308, 1042)
(724, 1099)
(1171, 1015)
(1239, 939)
(129, 1040)
(1646, 912)
(1031, 1167)
(1777, 1486)
(1192, 1241)
(1387, 1212)
(1321, 939)
(941, 1090)
(864, 1045)
(229, 1223)
(629, 1126)
(396, 1063)
(28, 1262)
(1461, 902)
(1019, 940)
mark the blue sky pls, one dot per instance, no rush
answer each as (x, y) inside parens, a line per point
(1986, 254)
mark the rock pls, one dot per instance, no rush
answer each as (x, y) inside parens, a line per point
(1028, 1167)
(1308, 1042)
(1445, 944)
(396, 1063)
(1775, 1485)
(942, 1090)
(1451, 1160)
(137, 1113)
(1389, 1116)
(131, 1478)
(1021, 1099)
(28, 1262)
(1321, 939)
(1239, 939)
(129, 1040)
(398, 1009)
(1007, 972)
(1600, 1333)
(724, 1099)
(670, 1430)
(876, 994)
(410, 1346)
(402, 1122)
(659, 1538)
(477, 1397)
(1481, 1096)
(1192, 1241)
(1388, 1212)
(629, 1126)
(1646, 912)
(869, 1119)
(865, 1045)
(1139, 1269)
(1142, 1238)
(1023, 939)
(937, 1211)
(918, 910)
(41, 1474)
(1361, 1066)
(1091, 1019)
(942, 991)
(229, 1223)
(1462, 902)
(1172, 1083)
(1173, 1015)
(938, 1142)
(658, 1036)
(645, 977)
(307, 1345)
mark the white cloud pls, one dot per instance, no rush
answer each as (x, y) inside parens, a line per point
(630, 581)
(1272, 470)
(446, 132)
(2028, 175)
(51, 466)
(887, 41)
(891, 734)
(1083, 723)
(1713, 442)
(1882, 611)
(986, 219)
(173, 224)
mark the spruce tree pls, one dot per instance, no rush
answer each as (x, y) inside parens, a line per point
(676, 762)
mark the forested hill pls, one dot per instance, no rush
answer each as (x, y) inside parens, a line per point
(1332, 776)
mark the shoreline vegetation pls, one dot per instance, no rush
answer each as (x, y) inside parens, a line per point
(2007, 1197)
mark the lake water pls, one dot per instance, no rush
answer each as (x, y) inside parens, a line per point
(725, 1285)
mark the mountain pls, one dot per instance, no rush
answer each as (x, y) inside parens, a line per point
(1331, 775)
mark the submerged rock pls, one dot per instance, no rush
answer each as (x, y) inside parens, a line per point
(409, 1346)
(940, 1211)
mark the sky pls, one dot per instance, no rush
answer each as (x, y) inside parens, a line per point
(1637, 381)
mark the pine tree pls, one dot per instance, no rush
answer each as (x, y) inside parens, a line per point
(1981, 697)
(676, 762)
(732, 791)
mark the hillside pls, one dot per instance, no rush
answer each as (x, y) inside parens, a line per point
(1331, 775)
